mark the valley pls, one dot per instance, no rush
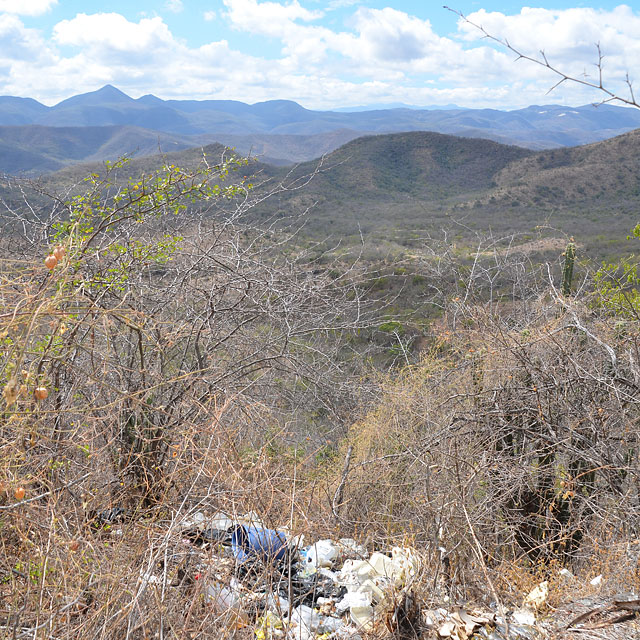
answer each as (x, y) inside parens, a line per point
(407, 338)
(397, 190)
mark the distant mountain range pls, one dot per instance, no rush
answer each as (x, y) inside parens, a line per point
(106, 124)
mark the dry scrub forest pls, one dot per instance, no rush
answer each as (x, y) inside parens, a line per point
(174, 368)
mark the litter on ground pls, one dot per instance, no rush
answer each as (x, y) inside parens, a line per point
(266, 579)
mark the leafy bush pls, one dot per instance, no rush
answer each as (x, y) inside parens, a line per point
(618, 285)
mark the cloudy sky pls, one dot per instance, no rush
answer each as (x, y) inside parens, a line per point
(321, 54)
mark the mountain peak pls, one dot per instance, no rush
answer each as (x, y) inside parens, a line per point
(148, 98)
(110, 90)
(105, 95)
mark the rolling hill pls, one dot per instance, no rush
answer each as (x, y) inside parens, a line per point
(405, 186)
(397, 189)
(280, 131)
(36, 149)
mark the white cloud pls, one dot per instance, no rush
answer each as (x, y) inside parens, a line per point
(378, 55)
(175, 6)
(17, 43)
(341, 4)
(113, 32)
(27, 7)
(565, 31)
(268, 18)
(394, 36)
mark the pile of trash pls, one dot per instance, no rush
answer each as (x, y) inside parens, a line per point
(287, 589)
(283, 588)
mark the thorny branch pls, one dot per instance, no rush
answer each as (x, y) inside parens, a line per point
(543, 61)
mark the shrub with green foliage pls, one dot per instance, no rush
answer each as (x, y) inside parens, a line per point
(618, 285)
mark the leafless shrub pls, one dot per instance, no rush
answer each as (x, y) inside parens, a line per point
(516, 432)
(600, 83)
(172, 358)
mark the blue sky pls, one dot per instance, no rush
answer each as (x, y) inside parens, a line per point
(321, 54)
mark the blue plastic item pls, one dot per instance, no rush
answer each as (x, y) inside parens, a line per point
(251, 542)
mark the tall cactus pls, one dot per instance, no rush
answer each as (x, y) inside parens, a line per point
(567, 271)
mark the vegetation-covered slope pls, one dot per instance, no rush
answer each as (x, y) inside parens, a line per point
(411, 185)
(399, 188)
